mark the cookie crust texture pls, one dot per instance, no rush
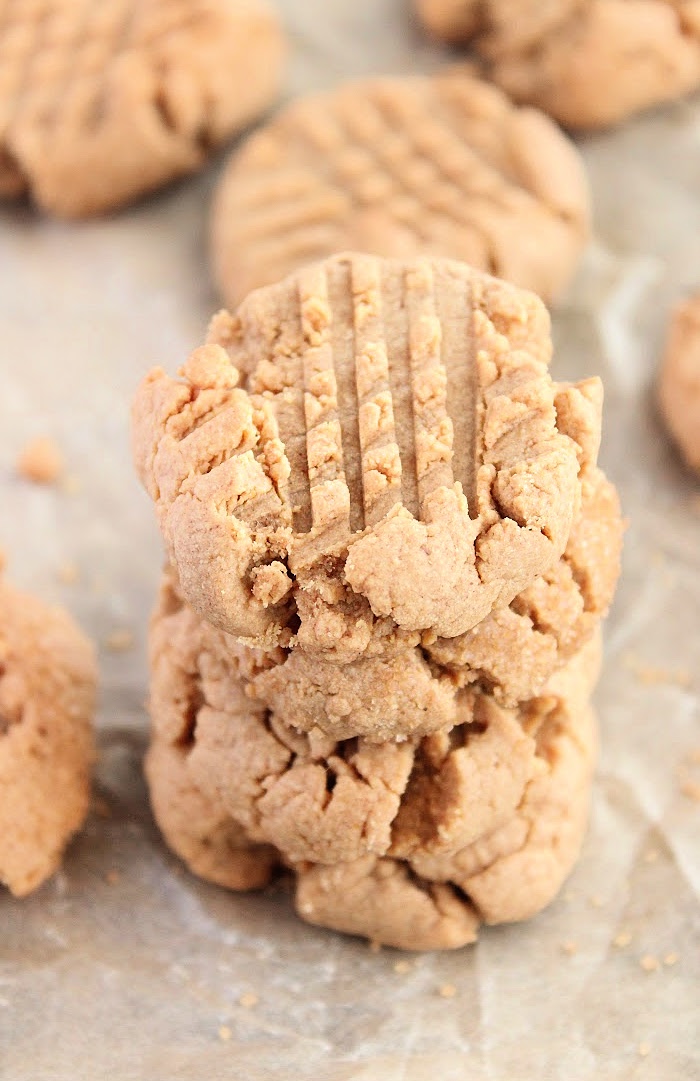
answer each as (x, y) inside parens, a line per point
(368, 456)
(588, 63)
(47, 698)
(443, 165)
(679, 380)
(479, 823)
(103, 101)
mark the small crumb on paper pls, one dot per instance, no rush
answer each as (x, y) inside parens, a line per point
(101, 807)
(224, 1033)
(402, 967)
(41, 461)
(691, 790)
(649, 963)
(650, 675)
(248, 1000)
(447, 990)
(119, 640)
(671, 958)
(596, 901)
(71, 485)
(622, 939)
(68, 574)
(644, 1049)
(651, 855)
(569, 948)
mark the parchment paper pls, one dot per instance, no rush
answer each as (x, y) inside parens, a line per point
(124, 966)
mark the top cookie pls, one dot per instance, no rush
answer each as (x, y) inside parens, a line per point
(589, 63)
(443, 165)
(393, 449)
(102, 101)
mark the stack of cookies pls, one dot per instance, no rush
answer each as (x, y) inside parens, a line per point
(390, 549)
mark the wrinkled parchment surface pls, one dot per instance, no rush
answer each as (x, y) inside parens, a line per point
(124, 966)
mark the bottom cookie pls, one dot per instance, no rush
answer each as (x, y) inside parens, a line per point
(47, 692)
(500, 856)
(434, 903)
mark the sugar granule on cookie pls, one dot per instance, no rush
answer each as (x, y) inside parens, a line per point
(41, 461)
(47, 697)
(679, 380)
(101, 102)
(438, 165)
(588, 63)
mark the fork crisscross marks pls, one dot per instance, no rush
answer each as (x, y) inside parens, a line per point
(381, 458)
(330, 497)
(434, 433)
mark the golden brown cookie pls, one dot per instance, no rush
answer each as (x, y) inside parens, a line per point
(443, 165)
(679, 380)
(103, 101)
(378, 438)
(510, 874)
(588, 63)
(47, 695)
(200, 831)
(319, 799)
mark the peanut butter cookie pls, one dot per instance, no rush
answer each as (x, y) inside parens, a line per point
(103, 101)
(443, 165)
(369, 451)
(588, 63)
(679, 380)
(47, 695)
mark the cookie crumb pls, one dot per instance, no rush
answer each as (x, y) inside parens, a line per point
(224, 1033)
(649, 963)
(651, 675)
(70, 485)
(101, 807)
(68, 574)
(651, 855)
(112, 877)
(671, 958)
(119, 640)
(401, 967)
(569, 947)
(622, 939)
(644, 1049)
(596, 901)
(447, 990)
(248, 1000)
(691, 790)
(41, 461)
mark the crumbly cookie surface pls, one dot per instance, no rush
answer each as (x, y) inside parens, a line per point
(510, 874)
(443, 165)
(679, 380)
(316, 798)
(47, 692)
(100, 102)
(413, 844)
(588, 63)
(369, 450)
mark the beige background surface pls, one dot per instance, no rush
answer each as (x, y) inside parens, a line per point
(132, 976)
